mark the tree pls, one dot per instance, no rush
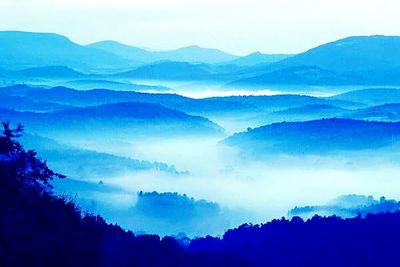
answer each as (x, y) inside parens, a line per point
(21, 169)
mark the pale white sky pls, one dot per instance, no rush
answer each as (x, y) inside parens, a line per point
(241, 27)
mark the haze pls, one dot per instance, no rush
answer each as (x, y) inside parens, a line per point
(269, 26)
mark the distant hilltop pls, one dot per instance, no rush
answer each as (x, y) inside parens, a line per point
(357, 60)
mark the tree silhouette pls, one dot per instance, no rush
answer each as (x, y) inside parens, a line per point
(22, 168)
(38, 228)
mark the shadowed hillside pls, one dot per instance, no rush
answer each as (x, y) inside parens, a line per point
(131, 119)
(316, 137)
(42, 229)
(357, 60)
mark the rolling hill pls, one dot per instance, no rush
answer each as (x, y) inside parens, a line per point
(257, 58)
(68, 96)
(69, 236)
(192, 54)
(371, 96)
(309, 112)
(86, 164)
(119, 119)
(299, 75)
(21, 50)
(88, 84)
(25, 104)
(386, 112)
(170, 70)
(50, 72)
(352, 54)
(358, 60)
(316, 137)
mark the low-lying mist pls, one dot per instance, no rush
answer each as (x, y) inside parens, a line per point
(238, 189)
(252, 190)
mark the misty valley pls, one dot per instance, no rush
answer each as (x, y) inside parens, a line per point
(194, 142)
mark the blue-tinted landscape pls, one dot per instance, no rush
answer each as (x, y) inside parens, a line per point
(116, 154)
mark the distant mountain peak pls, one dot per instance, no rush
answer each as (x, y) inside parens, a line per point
(257, 53)
(193, 47)
(20, 50)
(191, 54)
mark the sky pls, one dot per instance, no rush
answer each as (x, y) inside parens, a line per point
(239, 27)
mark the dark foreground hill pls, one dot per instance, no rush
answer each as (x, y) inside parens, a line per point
(41, 229)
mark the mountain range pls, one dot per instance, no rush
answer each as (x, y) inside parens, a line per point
(20, 50)
(63, 98)
(258, 58)
(371, 96)
(316, 137)
(192, 54)
(84, 164)
(112, 120)
(357, 60)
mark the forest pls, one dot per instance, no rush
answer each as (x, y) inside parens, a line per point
(41, 228)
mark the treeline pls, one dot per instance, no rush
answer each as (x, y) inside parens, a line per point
(349, 206)
(38, 228)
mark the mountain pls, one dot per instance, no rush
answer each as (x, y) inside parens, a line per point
(68, 96)
(169, 213)
(52, 72)
(372, 96)
(134, 110)
(198, 54)
(25, 104)
(311, 109)
(316, 137)
(85, 164)
(274, 103)
(124, 51)
(170, 70)
(191, 54)
(20, 50)
(298, 75)
(386, 112)
(352, 54)
(113, 120)
(69, 236)
(257, 58)
(219, 105)
(88, 84)
(183, 71)
(359, 60)
(309, 112)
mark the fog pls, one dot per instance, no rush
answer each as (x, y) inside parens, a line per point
(204, 89)
(247, 190)
(263, 189)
